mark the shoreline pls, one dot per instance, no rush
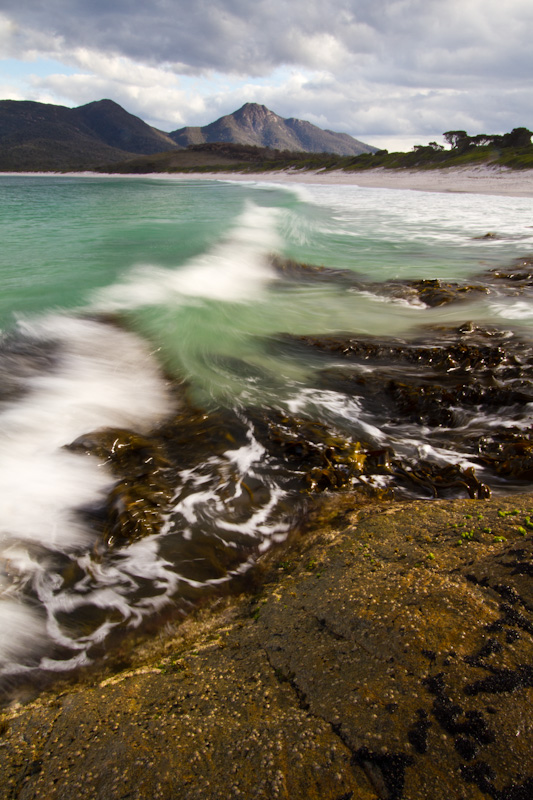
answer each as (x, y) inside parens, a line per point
(374, 659)
(484, 179)
(455, 180)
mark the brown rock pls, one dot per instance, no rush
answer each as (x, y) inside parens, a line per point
(387, 655)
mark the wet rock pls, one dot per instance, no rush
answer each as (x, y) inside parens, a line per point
(449, 382)
(513, 280)
(434, 292)
(22, 358)
(459, 350)
(437, 481)
(449, 378)
(135, 506)
(431, 292)
(509, 454)
(378, 666)
(292, 270)
(318, 457)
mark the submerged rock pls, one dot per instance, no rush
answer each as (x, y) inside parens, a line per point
(23, 357)
(514, 280)
(443, 381)
(135, 506)
(461, 350)
(518, 277)
(431, 292)
(293, 271)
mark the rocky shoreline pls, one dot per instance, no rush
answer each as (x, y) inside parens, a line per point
(385, 652)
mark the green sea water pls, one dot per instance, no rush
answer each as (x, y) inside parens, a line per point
(63, 237)
(65, 240)
(116, 291)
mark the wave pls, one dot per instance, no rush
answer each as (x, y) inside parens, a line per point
(236, 269)
(100, 376)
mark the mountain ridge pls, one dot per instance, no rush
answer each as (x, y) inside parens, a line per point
(41, 136)
(44, 137)
(255, 124)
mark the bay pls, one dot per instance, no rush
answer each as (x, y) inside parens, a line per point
(180, 307)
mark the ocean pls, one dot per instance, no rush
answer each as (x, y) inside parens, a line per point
(184, 363)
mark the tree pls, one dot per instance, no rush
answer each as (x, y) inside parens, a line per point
(482, 139)
(519, 137)
(457, 139)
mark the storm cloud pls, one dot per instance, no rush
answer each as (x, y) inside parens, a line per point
(363, 66)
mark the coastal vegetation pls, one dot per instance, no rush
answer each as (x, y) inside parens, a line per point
(513, 150)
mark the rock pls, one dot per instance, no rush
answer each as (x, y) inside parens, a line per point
(23, 357)
(514, 280)
(435, 293)
(386, 654)
(298, 271)
(135, 506)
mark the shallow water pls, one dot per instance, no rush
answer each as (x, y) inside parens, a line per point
(155, 306)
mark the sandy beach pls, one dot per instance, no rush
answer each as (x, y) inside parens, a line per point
(473, 180)
(469, 180)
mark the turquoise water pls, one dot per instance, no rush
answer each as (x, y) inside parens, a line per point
(73, 243)
(116, 292)
(64, 237)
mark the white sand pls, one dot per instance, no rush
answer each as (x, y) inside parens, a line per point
(473, 180)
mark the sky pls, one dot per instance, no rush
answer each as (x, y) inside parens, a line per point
(392, 73)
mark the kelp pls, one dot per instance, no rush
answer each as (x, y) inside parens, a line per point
(516, 278)
(316, 456)
(435, 481)
(456, 351)
(446, 381)
(328, 461)
(513, 280)
(135, 505)
(509, 454)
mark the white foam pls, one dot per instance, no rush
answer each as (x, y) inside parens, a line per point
(519, 309)
(337, 407)
(214, 498)
(234, 270)
(105, 377)
(22, 631)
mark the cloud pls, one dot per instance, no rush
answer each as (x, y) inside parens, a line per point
(361, 66)
(162, 103)
(254, 37)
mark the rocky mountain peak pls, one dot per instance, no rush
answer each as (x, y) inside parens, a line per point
(254, 113)
(255, 124)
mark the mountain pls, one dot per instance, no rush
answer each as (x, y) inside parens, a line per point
(40, 136)
(257, 125)
(118, 128)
